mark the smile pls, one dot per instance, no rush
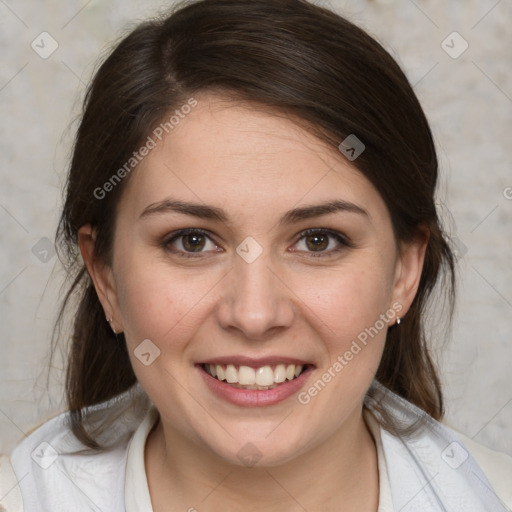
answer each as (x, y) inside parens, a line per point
(251, 382)
(261, 378)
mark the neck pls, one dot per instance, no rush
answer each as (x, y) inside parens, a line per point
(340, 471)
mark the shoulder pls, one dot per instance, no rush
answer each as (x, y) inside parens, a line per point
(57, 472)
(449, 468)
(496, 466)
(10, 494)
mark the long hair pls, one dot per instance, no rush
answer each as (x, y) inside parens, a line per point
(295, 58)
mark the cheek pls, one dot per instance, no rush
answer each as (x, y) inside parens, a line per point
(159, 303)
(165, 308)
(352, 311)
(350, 301)
(156, 310)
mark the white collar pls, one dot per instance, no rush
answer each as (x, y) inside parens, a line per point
(430, 470)
(136, 490)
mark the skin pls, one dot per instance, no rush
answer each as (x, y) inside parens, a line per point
(256, 166)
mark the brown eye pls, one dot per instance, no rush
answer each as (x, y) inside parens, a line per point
(188, 242)
(323, 242)
(193, 243)
(317, 242)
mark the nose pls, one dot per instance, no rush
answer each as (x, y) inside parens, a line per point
(255, 301)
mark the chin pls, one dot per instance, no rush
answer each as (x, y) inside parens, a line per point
(257, 451)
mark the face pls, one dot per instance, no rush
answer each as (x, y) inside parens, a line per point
(247, 249)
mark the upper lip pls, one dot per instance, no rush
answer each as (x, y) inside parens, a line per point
(256, 362)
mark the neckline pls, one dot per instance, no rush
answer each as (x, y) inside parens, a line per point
(136, 491)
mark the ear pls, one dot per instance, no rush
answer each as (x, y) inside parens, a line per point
(101, 275)
(409, 267)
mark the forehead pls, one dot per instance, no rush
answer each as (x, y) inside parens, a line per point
(228, 153)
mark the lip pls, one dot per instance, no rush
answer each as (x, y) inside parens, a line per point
(253, 397)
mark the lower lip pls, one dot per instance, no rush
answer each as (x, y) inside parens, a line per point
(254, 397)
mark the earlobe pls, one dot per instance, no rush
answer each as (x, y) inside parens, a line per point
(101, 275)
(409, 269)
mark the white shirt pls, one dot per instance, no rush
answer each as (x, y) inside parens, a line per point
(414, 475)
(136, 491)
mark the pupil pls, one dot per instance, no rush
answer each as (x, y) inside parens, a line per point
(319, 242)
(193, 242)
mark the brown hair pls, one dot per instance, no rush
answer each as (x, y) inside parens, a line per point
(298, 59)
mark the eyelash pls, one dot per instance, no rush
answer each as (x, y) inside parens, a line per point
(339, 237)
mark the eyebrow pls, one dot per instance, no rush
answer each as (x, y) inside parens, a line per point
(203, 211)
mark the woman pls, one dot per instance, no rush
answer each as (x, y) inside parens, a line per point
(251, 231)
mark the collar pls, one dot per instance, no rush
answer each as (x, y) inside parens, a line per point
(136, 489)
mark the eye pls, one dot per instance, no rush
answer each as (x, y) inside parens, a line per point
(324, 242)
(189, 241)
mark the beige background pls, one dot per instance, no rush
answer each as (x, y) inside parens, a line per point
(467, 99)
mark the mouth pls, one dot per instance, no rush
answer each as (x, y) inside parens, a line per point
(255, 378)
(248, 382)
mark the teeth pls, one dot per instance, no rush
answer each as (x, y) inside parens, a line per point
(231, 374)
(265, 376)
(246, 377)
(280, 373)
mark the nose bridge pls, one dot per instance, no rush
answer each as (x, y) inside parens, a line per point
(254, 299)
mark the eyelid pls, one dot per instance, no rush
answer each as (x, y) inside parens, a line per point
(342, 239)
(176, 235)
